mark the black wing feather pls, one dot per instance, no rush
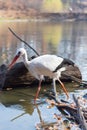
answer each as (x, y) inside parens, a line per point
(64, 62)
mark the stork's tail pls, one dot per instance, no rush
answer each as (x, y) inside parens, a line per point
(64, 63)
(68, 62)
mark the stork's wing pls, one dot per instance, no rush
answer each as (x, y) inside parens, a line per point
(47, 62)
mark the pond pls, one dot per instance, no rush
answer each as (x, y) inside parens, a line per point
(66, 39)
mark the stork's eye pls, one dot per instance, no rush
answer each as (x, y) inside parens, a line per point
(19, 53)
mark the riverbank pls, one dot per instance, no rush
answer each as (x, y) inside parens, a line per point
(42, 17)
(71, 16)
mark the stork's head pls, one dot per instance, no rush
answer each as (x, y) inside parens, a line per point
(20, 52)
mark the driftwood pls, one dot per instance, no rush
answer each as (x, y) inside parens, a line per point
(74, 111)
(82, 120)
(19, 76)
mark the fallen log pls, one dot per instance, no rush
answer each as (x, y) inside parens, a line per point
(19, 76)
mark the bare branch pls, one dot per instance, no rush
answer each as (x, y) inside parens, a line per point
(22, 40)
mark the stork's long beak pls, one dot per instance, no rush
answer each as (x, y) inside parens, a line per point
(13, 62)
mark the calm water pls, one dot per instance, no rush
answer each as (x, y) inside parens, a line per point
(66, 39)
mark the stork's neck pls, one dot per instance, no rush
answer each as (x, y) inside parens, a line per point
(25, 59)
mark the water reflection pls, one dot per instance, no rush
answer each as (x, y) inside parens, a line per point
(43, 37)
(18, 99)
(18, 110)
(74, 46)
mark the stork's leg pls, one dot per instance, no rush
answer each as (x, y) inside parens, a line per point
(63, 87)
(54, 86)
(38, 90)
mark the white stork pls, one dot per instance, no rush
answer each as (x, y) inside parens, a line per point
(44, 65)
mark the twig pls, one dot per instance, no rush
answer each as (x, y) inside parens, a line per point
(22, 40)
(39, 113)
(18, 116)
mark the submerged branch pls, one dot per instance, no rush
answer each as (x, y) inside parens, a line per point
(18, 116)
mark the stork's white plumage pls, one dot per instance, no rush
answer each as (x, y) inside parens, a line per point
(44, 65)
